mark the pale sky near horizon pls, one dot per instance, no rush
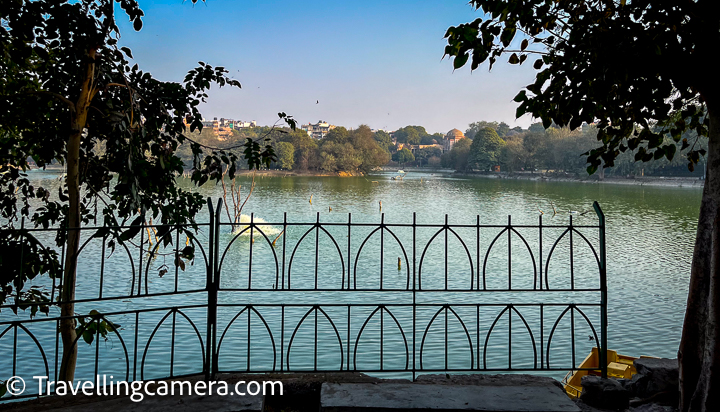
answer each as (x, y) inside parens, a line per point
(366, 62)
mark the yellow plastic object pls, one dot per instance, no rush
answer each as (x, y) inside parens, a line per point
(619, 370)
(619, 367)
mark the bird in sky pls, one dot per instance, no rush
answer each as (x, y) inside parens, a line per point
(318, 101)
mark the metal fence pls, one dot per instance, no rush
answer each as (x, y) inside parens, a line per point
(384, 298)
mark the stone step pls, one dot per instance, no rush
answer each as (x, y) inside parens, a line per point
(357, 397)
(213, 403)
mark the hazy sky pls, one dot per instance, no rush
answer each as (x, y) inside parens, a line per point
(367, 62)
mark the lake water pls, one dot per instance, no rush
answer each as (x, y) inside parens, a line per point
(650, 235)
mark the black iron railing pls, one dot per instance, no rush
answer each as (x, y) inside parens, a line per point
(325, 296)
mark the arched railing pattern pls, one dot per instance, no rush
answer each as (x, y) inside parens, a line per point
(331, 323)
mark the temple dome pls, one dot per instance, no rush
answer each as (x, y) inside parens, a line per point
(455, 134)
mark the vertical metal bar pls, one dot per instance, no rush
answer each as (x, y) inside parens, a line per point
(510, 337)
(97, 344)
(446, 338)
(135, 346)
(382, 324)
(282, 337)
(317, 249)
(172, 344)
(62, 269)
(102, 267)
(177, 251)
(316, 337)
(509, 254)
(248, 340)
(446, 258)
(252, 242)
(603, 290)
(572, 267)
(477, 253)
(216, 288)
(572, 334)
(349, 268)
(348, 336)
(414, 289)
(283, 252)
(382, 247)
(209, 278)
(542, 335)
(140, 261)
(540, 260)
(477, 335)
(14, 358)
(22, 253)
(57, 348)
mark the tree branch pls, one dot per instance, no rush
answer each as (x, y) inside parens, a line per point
(58, 96)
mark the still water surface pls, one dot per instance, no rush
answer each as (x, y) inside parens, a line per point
(650, 233)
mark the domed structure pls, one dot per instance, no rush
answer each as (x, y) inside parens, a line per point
(451, 138)
(454, 134)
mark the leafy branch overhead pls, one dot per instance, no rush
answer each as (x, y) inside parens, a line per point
(636, 69)
(71, 94)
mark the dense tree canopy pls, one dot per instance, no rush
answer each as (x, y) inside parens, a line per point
(403, 156)
(69, 94)
(485, 149)
(640, 71)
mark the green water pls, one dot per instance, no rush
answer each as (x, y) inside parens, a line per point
(650, 234)
(650, 231)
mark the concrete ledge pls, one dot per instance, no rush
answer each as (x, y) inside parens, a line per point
(357, 397)
(213, 403)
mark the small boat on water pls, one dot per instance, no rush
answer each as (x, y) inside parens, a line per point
(619, 367)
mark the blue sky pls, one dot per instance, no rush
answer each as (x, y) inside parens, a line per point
(367, 62)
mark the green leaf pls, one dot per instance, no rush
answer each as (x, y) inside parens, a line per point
(460, 60)
(670, 151)
(507, 35)
(88, 336)
(514, 59)
(127, 51)
(133, 230)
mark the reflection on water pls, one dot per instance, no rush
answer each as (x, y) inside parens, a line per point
(650, 233)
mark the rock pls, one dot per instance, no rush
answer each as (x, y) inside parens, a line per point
(653, 407)
(662, 374)
(657, 379)
(604, 393)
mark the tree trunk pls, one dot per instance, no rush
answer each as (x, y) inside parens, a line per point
(699, 353)
(67, 294)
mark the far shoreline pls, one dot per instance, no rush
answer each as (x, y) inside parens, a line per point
(655, 181)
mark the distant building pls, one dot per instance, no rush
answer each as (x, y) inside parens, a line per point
(318, 130)
(239, 124)
(452, 137)
(228, 124)
(415, 147)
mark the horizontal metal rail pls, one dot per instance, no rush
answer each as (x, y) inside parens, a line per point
(324, 298)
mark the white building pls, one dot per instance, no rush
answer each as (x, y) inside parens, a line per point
(318, 130)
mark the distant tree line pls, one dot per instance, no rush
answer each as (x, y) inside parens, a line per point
(356, 151)
(488, 144)
(557, 149)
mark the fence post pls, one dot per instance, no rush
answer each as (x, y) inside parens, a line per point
(216, 285)
(211, 286)
(603, 290)
(209, 269)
